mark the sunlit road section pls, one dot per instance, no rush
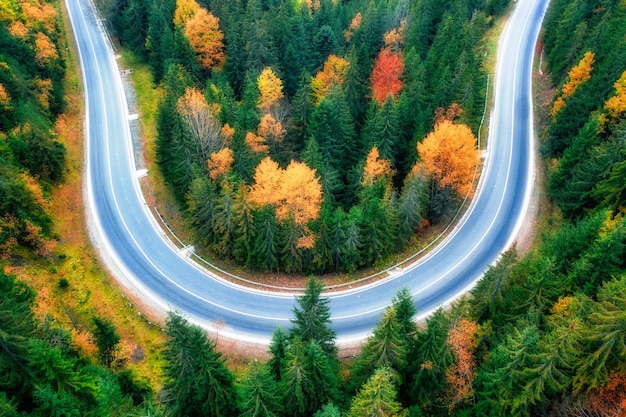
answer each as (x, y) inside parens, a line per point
(141, 258)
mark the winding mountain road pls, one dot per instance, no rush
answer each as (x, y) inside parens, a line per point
(136, 250)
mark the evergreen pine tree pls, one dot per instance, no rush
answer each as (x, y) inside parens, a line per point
(312, 319)
(197, 381)
(259, 394)
(377, 398)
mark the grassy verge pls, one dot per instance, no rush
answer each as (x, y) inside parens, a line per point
(72, 287)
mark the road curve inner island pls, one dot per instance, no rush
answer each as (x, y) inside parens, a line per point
(144, 260)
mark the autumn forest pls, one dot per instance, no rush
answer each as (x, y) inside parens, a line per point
(315, 137)
(289, 130)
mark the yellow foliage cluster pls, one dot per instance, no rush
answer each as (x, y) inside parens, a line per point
(579, 74)
(376, 168)
(450, 156)
(220, 163)
(185, 10)
(296, 190)
(37, 13)
(271, 129)
(5, 99)
(394, 39)
(227, 132)
(44, 88)
(616, 105)
(18, 29)
(256, 143)
(334, 72)
(8, 11)
(270, 87)
(206, 39)
(45, 51)
(354, 25)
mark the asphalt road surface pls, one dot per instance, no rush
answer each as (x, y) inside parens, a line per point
(144, 260)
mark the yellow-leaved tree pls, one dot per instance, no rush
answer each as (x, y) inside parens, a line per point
(616, 105)
(579, 74)
(270, 89)
(376, 168)
(185, 10)
(219, 163)
(206, 39)
(296, 190)
(334, 72)
(450, 156)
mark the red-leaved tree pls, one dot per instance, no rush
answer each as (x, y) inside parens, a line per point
(387, 75)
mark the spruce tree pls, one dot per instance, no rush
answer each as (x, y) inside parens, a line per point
(197, 381)
(377, 398)
(259, 393)
(312, 319)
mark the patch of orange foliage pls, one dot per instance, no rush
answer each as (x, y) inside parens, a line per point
(185, 10)
(256, 143)
(5, 99)
(45, 51)
(394, 39)
(227, 132)
(610, 400)
(375, 167)
(220, 163)
(449, 114)
(206, 39)
(44, 87)
(386, 75)
(271, 129)
(354, 25)
(334, 72)
(295, 190)
(450, 156)
(84, 341)
(18, 29)
(37, 13)
(461, 375)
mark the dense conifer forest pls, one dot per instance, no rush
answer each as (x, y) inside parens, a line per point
(540, 335)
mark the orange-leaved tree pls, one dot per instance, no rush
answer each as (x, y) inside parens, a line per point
(45, 51)
(394, 39)
(450, 156)
(387, 74)
(579, 74)
(460, 376)
(206, 39)
(295, 191)
(271, 130)
(354, 25)
(256, 143)
(334, 72)
(219, 163)
(270, 88)
(376, 168)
